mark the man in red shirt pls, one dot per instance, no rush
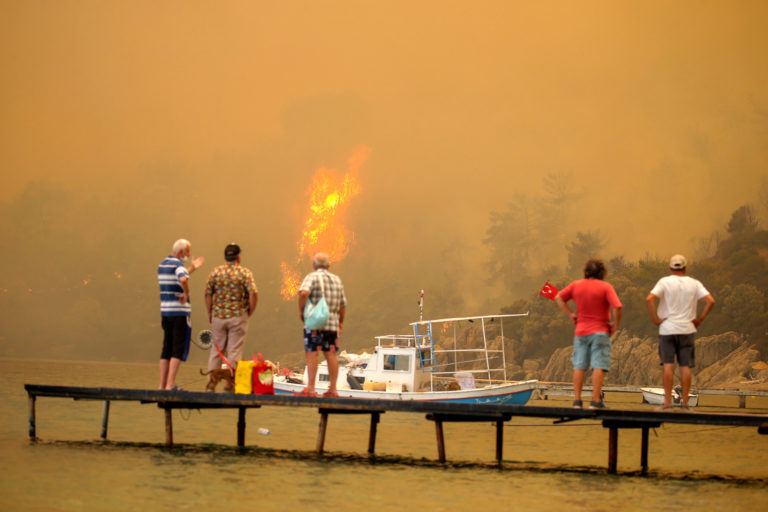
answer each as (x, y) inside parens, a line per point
(596, 303)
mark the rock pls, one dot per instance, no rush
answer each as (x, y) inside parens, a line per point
(711, 349)
(533, 367)
(515, 372)
(734, 368)
(721, 361)
(559, 368)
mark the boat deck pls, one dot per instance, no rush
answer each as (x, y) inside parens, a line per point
(436, 411)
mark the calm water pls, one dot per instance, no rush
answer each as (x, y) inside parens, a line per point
(546, 467)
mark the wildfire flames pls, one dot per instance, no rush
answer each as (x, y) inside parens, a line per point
(324, 228)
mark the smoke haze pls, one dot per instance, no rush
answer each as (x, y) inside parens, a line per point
(124, 126)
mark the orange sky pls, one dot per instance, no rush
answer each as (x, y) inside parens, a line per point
(657, 110)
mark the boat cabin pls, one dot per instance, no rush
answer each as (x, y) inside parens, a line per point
(393, 366)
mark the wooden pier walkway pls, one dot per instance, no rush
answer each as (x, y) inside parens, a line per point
(546, 389)
(438, 412)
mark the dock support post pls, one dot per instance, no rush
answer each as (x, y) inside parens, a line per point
(499, 440)
(644, 451)
(440, 439)
(32, 427)
(241, 427)
(372, 434)
(168, 426)
(613, 427)
(321, 431)
(613, 443)
(742, 401)
(105, 420)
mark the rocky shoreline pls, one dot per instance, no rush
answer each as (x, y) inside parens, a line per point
(724, 361)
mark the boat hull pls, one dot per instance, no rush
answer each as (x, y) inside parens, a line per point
(516, 393)
(655, 396)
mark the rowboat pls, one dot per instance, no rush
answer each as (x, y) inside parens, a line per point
(418, 367)
(655, 396)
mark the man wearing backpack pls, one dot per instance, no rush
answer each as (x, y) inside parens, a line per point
(316, 285)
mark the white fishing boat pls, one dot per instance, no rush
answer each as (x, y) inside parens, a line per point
(418, 367)
(655, 396)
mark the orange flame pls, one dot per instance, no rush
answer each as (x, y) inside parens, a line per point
(291, 282)
(324, 228)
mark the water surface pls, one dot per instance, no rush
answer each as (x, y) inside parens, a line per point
(545, 466)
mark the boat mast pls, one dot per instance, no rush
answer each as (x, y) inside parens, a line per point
(421, 305)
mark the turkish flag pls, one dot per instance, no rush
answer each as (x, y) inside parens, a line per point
(548, 291)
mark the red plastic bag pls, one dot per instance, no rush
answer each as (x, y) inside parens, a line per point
(263, 377)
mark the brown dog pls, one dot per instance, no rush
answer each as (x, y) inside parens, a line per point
(216, 376)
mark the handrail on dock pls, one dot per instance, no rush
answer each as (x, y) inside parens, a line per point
(436, 411)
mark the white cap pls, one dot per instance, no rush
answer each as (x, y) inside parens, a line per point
(677, 262)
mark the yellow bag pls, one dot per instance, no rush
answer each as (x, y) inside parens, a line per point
(243, 375)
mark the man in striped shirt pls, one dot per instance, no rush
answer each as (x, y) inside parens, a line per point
(175, 310)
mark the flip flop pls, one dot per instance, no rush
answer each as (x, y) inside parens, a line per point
(330, 394)
(303, 392)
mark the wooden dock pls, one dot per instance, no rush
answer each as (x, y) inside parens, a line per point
(546, 389)
(438, 412)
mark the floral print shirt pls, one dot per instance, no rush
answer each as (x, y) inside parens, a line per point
(230, 286)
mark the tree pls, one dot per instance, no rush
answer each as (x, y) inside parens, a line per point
(587, 245)
(511, 240)
(763, 198)
(743, 221)
(555, 206)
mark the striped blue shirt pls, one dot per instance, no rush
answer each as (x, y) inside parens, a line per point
(170, 270)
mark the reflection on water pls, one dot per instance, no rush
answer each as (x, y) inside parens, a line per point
(545, 466)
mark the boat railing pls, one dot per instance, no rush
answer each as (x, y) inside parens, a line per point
(428, 351)
(396, 340)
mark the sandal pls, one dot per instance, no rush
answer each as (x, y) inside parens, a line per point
(303, 392)
(664, 408)
(330, 394)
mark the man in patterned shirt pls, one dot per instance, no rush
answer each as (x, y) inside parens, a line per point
(325, 339)
(175, 309)
(230, 299)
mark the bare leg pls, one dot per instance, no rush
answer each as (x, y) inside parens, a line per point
(333, 369)
(598, 376)
(685, 379)
(163, 373)
(669, 379)
(578, 383)
(173, 369)
(311, 371)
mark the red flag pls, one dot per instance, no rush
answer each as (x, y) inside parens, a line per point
(548, 291)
